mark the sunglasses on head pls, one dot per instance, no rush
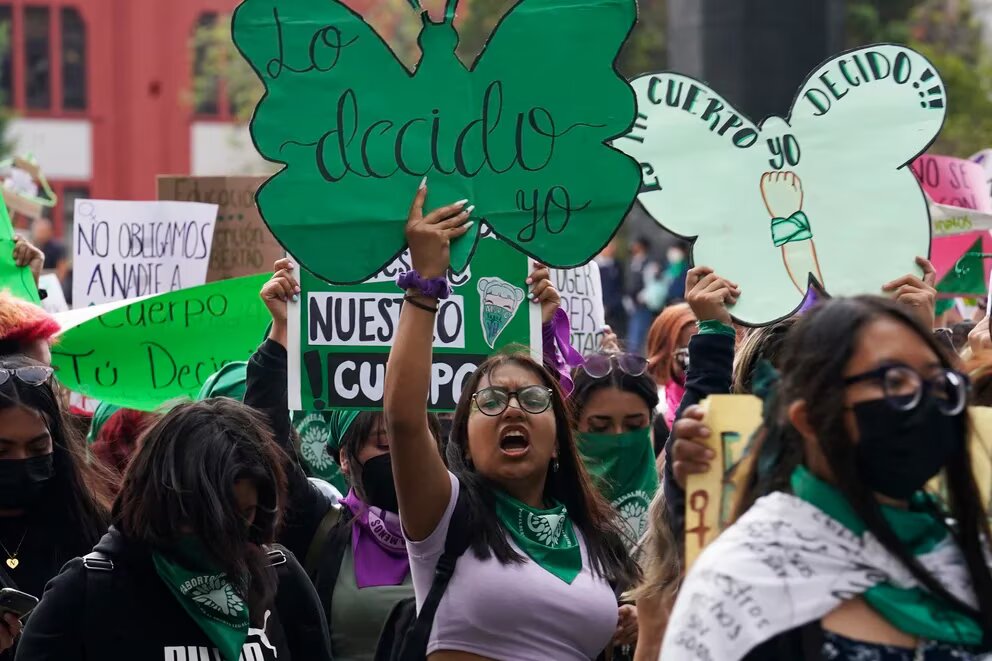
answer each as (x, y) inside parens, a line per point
(32, 376)
(600, 365)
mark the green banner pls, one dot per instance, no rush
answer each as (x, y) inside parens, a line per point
(142, 354)
(17, 279)
(340, 336)
(521, 133)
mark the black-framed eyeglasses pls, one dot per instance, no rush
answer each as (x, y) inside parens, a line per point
(905, 388)
(599, 365)
(492, 401)
(32, 375)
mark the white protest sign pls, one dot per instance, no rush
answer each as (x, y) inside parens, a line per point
(124, 250)
(581, 292)
(54, 300)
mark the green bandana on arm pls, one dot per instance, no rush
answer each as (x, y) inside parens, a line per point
(920, 531)
(794, 228)
(546, 536)
(207, 596)
(623, 468)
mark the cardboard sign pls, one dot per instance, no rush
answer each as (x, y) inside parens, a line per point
(125, 250)
(521, 134)
(141, 354)
(242, 243)
(953, 182)
(340, 336)
(581, 292)
(823, 195)
(709, 497)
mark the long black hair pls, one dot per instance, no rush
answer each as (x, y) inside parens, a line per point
(569, 485)
(76, 500)
(586, 386)
(182, 479)
(365, 424)
(816, 353)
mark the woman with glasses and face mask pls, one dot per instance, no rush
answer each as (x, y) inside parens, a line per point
(53, 502)
(535, 582)
(840, 553)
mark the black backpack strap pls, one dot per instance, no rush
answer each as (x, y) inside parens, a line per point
(455, 544)
(330, 519)
(98, 598)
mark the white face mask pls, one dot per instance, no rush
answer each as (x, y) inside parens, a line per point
(675, 256)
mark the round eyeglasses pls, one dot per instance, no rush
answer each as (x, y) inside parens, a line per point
(599, 365)
(494, 400)
(905, 388)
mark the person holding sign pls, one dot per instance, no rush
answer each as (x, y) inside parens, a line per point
(53, 502)
(188, 570)
(840, 552)
(355, 555)
(543, 545)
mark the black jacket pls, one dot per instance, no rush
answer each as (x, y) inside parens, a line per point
(711, 368)
(128, 613)
(267, 392)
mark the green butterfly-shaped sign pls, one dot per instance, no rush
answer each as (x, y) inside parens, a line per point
(823, 196)
(522, 134)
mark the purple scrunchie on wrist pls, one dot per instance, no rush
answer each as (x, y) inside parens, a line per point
(559, 356)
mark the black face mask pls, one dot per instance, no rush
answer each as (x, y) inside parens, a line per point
(23, 480)
(900, 451)
(377, 482)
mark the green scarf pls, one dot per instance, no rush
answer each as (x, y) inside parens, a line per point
(546, 536)
(911, 610)
(623, 467)
(207, 596)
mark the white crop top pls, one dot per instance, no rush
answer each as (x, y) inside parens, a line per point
(516, 611)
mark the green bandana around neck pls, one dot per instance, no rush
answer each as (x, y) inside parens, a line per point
(623, 468)
(546, 536)
(206, 595)
(911, 610)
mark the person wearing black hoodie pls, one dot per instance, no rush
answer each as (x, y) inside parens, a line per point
(187, 571)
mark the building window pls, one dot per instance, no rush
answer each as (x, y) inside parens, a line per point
(37, 61)
(73, 60)
(206, 78)
(6, 61)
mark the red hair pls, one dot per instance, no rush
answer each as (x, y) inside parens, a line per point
(663, 337)
(21, 321)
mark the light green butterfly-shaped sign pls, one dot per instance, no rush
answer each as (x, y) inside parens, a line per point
(521, 134)
(825, 195)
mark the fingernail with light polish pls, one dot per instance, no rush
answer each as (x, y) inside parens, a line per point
(423, 183)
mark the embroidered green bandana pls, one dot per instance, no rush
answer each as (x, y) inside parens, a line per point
(207, 596)
(794, 228)
(623, 468)
(914, 610)
(546, 536)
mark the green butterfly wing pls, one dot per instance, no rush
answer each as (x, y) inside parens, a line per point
(319, 59)
(556, 59)
(521, 136)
